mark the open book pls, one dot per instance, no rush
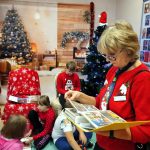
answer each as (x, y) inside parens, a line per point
(89, 118)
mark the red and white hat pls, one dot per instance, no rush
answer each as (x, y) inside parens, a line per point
(103, 19)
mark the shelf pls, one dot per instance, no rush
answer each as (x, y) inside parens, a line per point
(50, 59)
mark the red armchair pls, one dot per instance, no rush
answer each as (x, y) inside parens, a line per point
(22, 83)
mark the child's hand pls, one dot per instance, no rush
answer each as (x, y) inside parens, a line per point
(29, 140)
(82, 138)
(28, 133)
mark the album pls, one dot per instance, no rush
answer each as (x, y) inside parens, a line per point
(90, 119)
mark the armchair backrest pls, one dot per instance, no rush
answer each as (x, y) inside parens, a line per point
(23, 82)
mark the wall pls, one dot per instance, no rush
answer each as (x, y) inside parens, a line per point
(130, 10)
(41, 31)
(44, 30)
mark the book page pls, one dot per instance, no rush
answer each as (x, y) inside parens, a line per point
(112, 116)
(83, 107)
(77, 118)
(84, 123)
(71, 112)
(96, 118)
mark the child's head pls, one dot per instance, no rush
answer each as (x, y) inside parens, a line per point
(71, 67)
(43, 103)
(15, 127)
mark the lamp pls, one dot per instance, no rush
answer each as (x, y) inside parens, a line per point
(37, 15)
(33, 47)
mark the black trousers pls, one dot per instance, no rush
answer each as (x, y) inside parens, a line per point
(37, 128)
(62, 100)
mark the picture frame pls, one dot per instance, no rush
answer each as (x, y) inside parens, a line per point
(79, 53)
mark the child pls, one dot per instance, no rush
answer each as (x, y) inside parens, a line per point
(67, 137)
(42, 121)
(67, 80)
(12, 132)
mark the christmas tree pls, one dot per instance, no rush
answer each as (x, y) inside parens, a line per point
(15, 44)
(96, 66)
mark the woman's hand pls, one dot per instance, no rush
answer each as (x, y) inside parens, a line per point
(72, 95)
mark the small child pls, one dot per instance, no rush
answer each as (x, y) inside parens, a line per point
(42, 121)
(67, 137)
(12, 132)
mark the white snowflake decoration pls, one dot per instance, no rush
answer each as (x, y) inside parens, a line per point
(14, 88)
(14, 79)
(31, 89)
(25, 86)
(11, 106)
(20, 109)
(24, 71)
(33, 78)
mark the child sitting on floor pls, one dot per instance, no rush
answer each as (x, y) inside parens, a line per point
(42, 121)
(67, 137)
(12, 132)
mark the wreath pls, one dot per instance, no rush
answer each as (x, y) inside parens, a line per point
(87, 16)
(74, 35)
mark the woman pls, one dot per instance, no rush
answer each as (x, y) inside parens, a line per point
(125, 91)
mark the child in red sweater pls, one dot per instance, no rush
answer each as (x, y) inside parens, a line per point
(42, 121)
(67, 80)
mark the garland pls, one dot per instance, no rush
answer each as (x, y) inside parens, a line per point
(92, 21)
(74, 35)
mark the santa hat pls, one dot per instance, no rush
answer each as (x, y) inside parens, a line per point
(103, 19)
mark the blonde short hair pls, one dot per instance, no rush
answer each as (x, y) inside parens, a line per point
(120, 36)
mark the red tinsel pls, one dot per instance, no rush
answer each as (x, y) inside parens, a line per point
(92, 21)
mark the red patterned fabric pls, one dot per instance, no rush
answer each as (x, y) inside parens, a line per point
(21, 83)
(22, 109)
